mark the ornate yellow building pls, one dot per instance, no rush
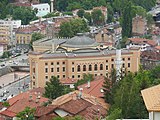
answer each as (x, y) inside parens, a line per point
(71, 58)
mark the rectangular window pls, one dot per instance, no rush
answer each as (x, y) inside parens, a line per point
(72, 63)
(46, 70)
(57, 69)
(123, 65)
(57, 76)
(46, 77)
(63, 69)
(123, 59)
(72, 69)
(34, 83)
(112, 66)
(64, 76)
(63, 63)
(51, 63)
(112, 60)
(57, 63)
(106, 67)
(52, 69)
(79, 76)
(34, 70)
(46, 63)
(128, 58)
(72, 76)
(129, 65)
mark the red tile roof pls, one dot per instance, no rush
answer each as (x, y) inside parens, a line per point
(157, 47)
(68, 81)
(26, 95)
(142, 41)
(48, 117)
(21, 104)
(95, 87)
(95, 111)
(27, 29)
(75, 106)
(8, 113)
(43, 110)
(150, 55)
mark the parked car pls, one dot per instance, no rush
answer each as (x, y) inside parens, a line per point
(5, 91)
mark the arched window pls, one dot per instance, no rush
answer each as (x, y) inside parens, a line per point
(95, 67)
(101, 66)
(90, 68)
(78, 68)
(84, 67)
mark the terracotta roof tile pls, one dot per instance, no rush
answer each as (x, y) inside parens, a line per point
(150, 55)
(157, 47)
(151, 98)
(48, 117)
(75, 106)
(43, 110)
(68, 81)
(26, 95)
(142, 41)
(94, 112)
(21, 104)
(96, 87)
(8, 113)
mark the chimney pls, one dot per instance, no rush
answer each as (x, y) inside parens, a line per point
(89, 84)
(30, 97)
(80, 93)
(37, 99)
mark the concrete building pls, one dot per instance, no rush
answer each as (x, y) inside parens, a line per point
(71, 58)
(143, 44)
(24, 33)
(151, 99)
(139, 25)
(7, 30)
(110, 34)
(43, 9)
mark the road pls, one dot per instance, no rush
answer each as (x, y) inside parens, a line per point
(19, 60)
(15, 88)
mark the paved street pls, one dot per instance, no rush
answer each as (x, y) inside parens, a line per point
(19, 60)
(15, 88)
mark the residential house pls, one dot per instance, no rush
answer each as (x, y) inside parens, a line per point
(32, 98)
(139, 25)
(42, 9)
(109, 35)
(151, 99)
(150, 58)
(7, 30)
(24, 33)
(143, 44)
(73, 104)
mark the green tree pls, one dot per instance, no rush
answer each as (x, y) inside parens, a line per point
(66, 30)
(54, 88)
(35, 36)
(25, 14)
(6, 104)
(98, 17)
(51, 15)
(86, 78)
(88, 17)
(127, 21)
(71, 28)
(26, 114)
(80, 13)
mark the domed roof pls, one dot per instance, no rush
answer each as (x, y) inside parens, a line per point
(80, 41)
